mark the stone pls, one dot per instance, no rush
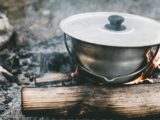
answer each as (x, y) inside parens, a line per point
(6, 30)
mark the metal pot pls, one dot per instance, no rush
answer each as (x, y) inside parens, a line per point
(111, 50)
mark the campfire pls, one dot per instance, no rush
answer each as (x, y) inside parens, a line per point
(56, 84)
(72, 86)
(53, 72)
(149, 74)
(39, 78)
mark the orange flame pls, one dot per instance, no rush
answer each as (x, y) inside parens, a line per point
(147, 74)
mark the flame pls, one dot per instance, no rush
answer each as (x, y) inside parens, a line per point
(146, 75)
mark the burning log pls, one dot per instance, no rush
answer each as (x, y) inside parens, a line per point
(91, 101)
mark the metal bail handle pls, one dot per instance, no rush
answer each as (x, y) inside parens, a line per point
(65, 42)
(118, 77)
(67, 47)
(115, 23)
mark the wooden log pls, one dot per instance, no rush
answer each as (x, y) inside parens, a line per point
(91, 101)
(52, 78)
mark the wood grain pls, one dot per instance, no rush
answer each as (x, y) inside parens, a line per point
(127, 101)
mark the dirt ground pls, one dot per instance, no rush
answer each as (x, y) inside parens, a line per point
(36, 22)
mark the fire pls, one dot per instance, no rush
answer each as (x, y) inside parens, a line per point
(147, 74)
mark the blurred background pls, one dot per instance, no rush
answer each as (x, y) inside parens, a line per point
(44, 16)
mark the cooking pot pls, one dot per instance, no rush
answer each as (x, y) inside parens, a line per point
(109, 45)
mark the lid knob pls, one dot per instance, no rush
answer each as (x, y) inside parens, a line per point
(115, 23)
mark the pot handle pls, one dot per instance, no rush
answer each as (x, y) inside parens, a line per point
(118, 77)
(68, 50)
(65, 42)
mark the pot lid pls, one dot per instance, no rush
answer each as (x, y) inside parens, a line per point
(112, 29)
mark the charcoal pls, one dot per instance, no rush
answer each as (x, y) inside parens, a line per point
(2, 98)
(3, 80)
(7, 66)
(7, 62)
(35, 64)
(56, 62)
(24, 54)
(27, 74)
(2, 109)
(32, 75)
(15, 49)
(4, 83)
(16, 71)
(16, 62)
(32, 63)
(31, 78)
(25, 62)
(4, 57)
(6, 86)
(7, 100)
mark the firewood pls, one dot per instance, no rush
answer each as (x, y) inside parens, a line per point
(52, 77)
(92, 101)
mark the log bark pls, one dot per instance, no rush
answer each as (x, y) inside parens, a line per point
(93, 101)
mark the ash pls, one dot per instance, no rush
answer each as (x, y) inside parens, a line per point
(26, 64)
(38, 59)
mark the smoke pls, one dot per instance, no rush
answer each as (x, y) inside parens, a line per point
(38, 20)
(43, 16)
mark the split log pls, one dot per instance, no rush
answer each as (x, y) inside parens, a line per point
(91, 101)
